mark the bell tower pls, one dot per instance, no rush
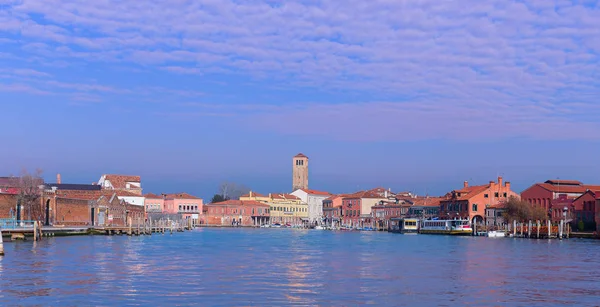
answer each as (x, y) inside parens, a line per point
(299, 172)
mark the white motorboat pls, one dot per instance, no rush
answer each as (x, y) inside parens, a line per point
(319, 227)
(496, 234)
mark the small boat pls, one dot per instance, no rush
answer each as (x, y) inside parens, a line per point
(319, 227)
(276, 225)
(496, 234)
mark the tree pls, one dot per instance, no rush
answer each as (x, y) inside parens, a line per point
(520, 211)
(30, 194)
(230, 190)
(217, 198)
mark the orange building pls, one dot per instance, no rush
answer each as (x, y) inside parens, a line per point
(471, 202)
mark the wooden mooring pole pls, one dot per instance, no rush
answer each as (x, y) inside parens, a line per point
(1, 244)
(35, 231)
(538, 228)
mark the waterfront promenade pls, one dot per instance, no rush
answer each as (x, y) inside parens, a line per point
(281, 267)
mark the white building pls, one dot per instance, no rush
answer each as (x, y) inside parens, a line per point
(314, 199)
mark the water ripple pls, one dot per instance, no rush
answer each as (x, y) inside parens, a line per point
(275, 267)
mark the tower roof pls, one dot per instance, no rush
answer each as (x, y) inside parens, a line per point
(300, 155)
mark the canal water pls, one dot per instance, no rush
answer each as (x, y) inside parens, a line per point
(280, 267)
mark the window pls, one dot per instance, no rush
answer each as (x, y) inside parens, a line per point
(505, 194)
(496, 194)
(485, 196)
(474, 207)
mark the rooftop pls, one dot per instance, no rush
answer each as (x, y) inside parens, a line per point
(180, 196)
(74, 187)
(234, 202)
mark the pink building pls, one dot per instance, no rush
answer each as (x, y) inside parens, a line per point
(185, 204)
(154, 203)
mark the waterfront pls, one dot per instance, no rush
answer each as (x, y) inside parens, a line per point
(274, 267)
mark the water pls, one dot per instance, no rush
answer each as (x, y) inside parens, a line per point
(275, 267)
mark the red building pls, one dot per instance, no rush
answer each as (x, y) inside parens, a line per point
(555, 195)
(237, 213)
(332, 210)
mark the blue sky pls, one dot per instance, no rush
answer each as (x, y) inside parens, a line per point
(410, 95)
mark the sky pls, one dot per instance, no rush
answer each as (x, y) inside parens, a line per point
(415, 95)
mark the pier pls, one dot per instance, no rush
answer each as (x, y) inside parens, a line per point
(31, 230)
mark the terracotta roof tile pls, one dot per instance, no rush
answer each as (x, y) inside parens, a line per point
(180, 196)
(120, 181)
(315, 192)
(153, 196)
(234, 202)
(300, 155)
(564, 182)
(254, 194)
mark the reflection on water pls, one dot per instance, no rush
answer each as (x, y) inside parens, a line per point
(274, 267)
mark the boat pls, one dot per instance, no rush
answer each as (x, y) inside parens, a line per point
(496, 234)
(276, 225)
(319, 227)
(404, 225)
(446, 227)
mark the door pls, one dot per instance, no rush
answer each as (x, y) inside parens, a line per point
(47, 213)
(101, 217)
(92, 217)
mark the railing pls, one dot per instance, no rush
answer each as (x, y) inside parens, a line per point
(13, 223)
(188, 211)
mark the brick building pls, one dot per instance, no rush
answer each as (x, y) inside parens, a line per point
(111, 211)
(471, 202)
(555, 195)
(237, 213)
(356, 208)
(299, 172)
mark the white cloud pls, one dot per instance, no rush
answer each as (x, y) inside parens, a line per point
(469, 55)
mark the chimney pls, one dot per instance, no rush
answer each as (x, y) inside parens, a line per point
(466, 184)
(500, 180)
(58, 181)
(508, 185)
(250, 193)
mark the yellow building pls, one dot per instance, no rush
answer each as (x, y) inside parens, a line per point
(284, 208)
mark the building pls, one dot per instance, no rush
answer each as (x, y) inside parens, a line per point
(556, 195)
(299, 172)
(356, 208)
(470, 202)
(128, 183)
(184, 204)
(597, 213)
(154, 204)
(284, 208)
(112, 211)
(425, 207)
(314, 199)
(332, 210)
(237, 213)
(386, 210)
